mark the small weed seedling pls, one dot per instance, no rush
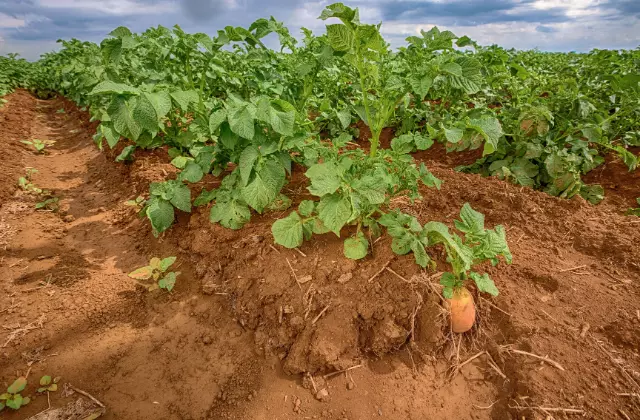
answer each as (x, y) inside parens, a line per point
(60, 111)
(157, 271)
(26, 184)
(636, 211)
(50, 204)
(12, 398)
(48, 385)
(39, 145)
(138, 204)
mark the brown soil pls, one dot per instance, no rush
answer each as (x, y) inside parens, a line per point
(239, 338)
(622, 186)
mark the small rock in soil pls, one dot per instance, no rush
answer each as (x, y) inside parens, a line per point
(207, 340)
(350, 385)
(584, 329)
(322, 395)
(68, 218)
(304, 279)
(345, 278)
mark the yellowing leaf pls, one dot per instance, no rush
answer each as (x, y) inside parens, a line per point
(142, 273)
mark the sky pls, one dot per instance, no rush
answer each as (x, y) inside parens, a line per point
(31, 27)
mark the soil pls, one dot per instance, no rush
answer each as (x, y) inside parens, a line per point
(256, 331)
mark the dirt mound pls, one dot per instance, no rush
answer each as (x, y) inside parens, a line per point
(256, 331)
(621, 185)
(13, 128)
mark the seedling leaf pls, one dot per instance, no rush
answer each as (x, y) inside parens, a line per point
(142, 273)
(356, 248)
(18, 385)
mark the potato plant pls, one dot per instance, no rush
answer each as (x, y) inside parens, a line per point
(155, 275)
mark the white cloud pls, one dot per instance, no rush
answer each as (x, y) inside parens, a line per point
(112, 7)
(7, 21)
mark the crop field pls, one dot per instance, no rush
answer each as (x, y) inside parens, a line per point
(197, 227)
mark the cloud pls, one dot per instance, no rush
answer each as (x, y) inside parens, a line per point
(545, 29)
(31, 27)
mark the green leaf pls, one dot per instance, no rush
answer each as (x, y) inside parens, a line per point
(340, 37)
(180, 161)
(403, 144)
(145, 114)
(493, 244)
(247, 160)
(216, 119)
(181, 198)
(420, 84)
(265, 186)
(15, 402)
(422, 142)
(489, 128)
(165, 263)
(524, 170)
(282, 117)
(192, 173)
(126, 153)
(472, 221)
(306, 208)
(205, 198)
(335, 211)
(288, 231)
(109, 87)
(344, 116)
(227, 137)
(484, 283)
(161, 102)
(453, 134)
(372, 189)
(110, 134)
(592, 193)
(121, 116)
(160, 213)
(450, 282)
(356, 247)
(428, 178)
(45, 380)
(339, 10)
(325, 178)
(241, 119)
(232, 214)
(452, 68)
(18, 385)
(120, 32)
(184, 98)
(554, 164)
(471, 78)
(459, 255)
(168, 281)
(420, 254)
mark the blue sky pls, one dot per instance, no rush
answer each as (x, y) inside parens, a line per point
(31, 27)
